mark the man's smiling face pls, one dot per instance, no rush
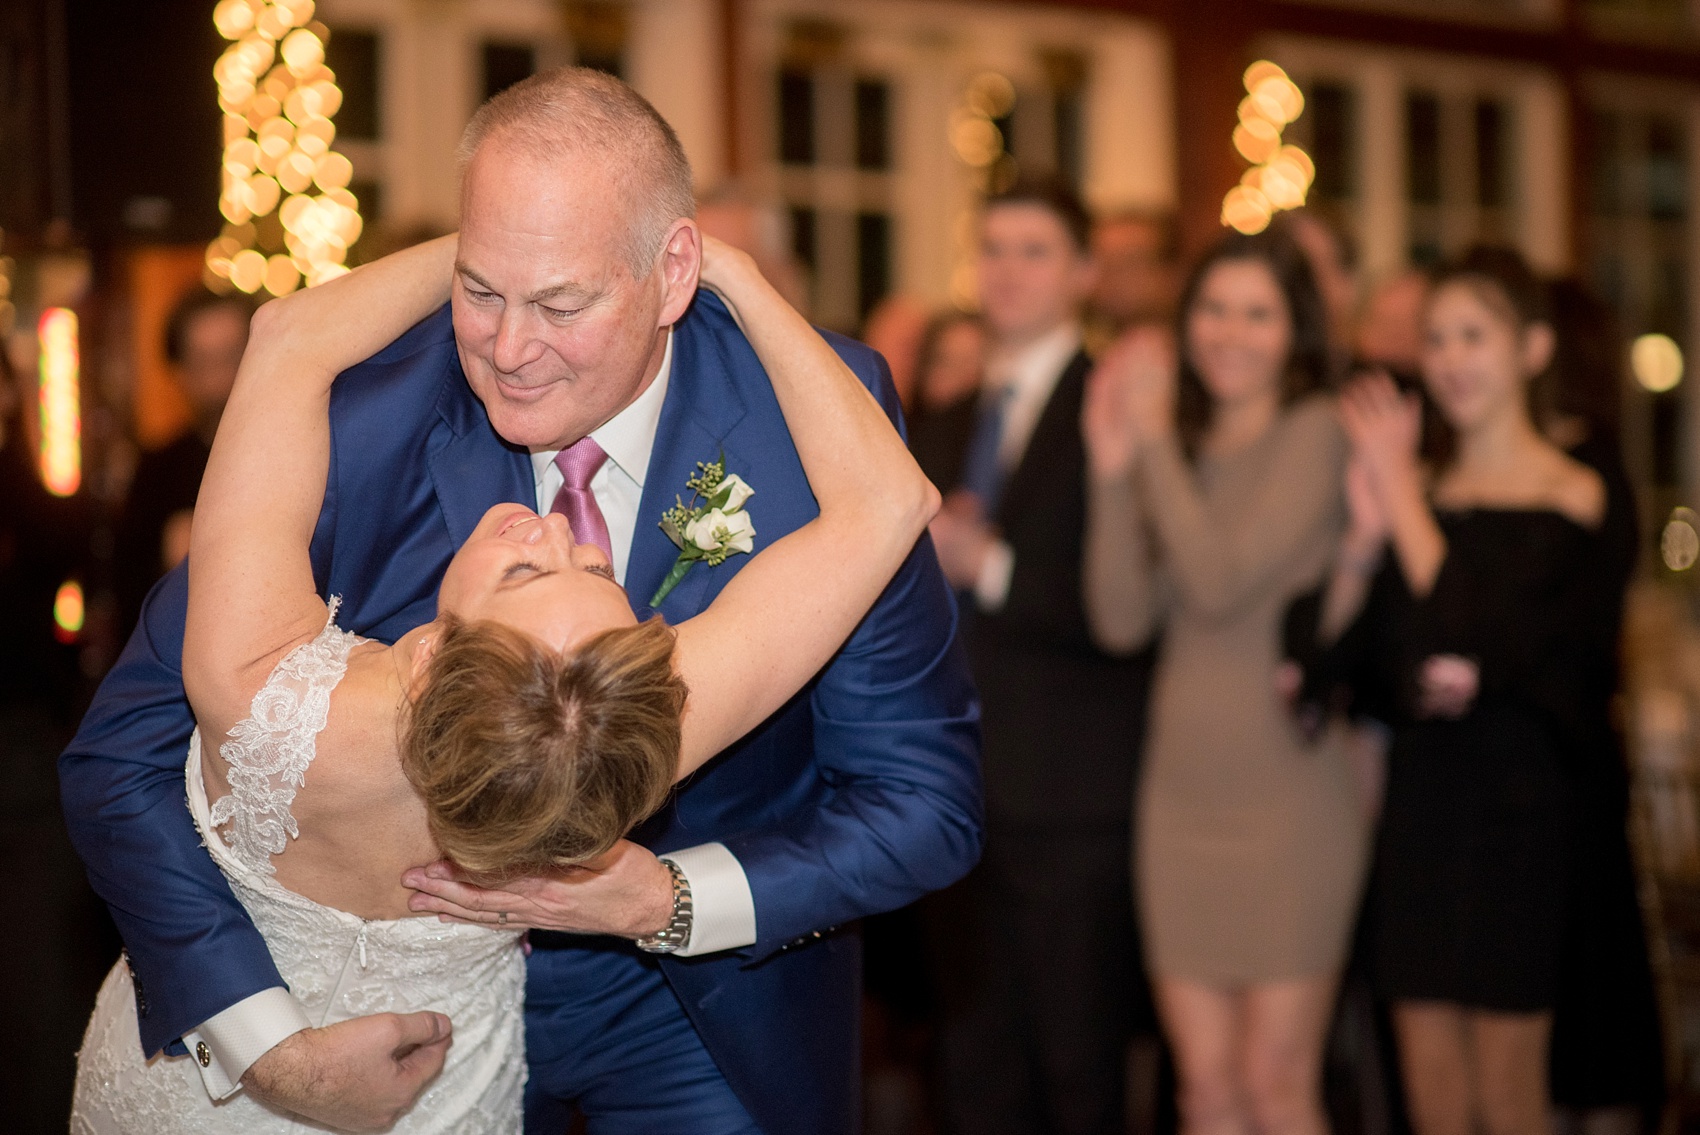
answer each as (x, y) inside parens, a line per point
(555, 334)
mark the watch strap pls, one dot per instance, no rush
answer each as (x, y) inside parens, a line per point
(677, 933)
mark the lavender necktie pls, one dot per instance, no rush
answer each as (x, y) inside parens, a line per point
(578, 463)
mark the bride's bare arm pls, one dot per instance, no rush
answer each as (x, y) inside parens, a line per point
(251, 592)
(783, 616)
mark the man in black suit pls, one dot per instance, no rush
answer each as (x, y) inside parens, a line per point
(1038, 959)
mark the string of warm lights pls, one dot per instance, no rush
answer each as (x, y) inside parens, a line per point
(278, 99)
(61, 454)
(1280, 173)
(980, 144)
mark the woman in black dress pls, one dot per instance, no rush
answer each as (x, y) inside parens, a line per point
(1478, 635)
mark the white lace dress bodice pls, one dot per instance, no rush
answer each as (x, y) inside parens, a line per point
(336, 964)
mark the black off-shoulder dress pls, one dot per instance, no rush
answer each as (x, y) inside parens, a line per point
(1472, 867)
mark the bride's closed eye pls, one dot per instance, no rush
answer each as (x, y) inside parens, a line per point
(603, 570)
(515, 569)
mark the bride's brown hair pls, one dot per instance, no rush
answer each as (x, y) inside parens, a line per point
(527, 759)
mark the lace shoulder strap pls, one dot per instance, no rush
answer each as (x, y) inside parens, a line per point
(267, 753)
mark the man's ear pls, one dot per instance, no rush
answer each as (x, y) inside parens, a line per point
(680, 265)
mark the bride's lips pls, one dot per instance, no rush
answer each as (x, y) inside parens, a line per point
(515, 519)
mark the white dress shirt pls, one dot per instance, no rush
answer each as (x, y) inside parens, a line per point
(1025, 379)
(723, 908)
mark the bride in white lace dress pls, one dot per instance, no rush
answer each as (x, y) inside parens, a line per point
(321, 794)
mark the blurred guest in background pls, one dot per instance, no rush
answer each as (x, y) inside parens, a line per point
(1484, 626)
(1215, 500)
(895, 328)
(204, 340)
(1606, 1044)
(949, 368)
(1389, 332)
(1036, 952)
(1334, 266)
(745, 221)
(49, 969)
(1135, 254)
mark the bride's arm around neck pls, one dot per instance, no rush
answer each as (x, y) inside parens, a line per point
(251, 591)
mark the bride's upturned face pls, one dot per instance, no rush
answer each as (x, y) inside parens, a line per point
(526, 571)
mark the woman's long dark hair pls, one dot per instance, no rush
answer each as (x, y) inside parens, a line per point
(1308, 366)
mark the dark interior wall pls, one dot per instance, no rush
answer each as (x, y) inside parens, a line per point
(24, 205)
(143, 118)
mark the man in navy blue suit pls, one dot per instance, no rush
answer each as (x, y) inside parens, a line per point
(699, 978)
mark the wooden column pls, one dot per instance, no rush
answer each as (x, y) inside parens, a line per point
(1212, 45)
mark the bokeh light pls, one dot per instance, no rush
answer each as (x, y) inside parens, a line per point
(69, 611)
(1281, 174)
(1656, 362)
(60, 397)
(278, 99)
(1679, 544)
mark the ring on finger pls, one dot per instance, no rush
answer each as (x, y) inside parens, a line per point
(502, 918)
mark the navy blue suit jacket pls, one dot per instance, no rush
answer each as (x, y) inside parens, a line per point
(860, 795)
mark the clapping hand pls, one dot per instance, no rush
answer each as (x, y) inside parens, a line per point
(1130, 399)
(962, 538)
(1367, 526)
(1385, 428)
(1447, 685)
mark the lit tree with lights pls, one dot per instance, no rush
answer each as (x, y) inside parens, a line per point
(284, 193)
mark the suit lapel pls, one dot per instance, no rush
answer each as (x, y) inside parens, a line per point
(473, 469)
(702, 408)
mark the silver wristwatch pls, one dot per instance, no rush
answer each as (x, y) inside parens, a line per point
(677, 932)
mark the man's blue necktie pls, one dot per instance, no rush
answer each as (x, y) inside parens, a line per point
(982, 472)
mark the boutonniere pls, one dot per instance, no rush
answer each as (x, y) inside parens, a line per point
(711, 527)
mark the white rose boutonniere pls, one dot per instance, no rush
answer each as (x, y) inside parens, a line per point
(715, 530)
(711, 527)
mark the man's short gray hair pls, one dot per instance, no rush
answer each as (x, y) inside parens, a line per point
(571, 111)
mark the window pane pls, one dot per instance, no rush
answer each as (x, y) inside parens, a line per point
(1607, 182)
(1068, 107)
(1491, 151)
(506, 64)
(1332, 110)
(1667, 170)
(873, 261)
(796, 117)
(803, 236)
(873, 124)
(1668, 304)
(1422, 147)
(354, 56)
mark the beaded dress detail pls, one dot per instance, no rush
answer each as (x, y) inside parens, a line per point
(336, 964)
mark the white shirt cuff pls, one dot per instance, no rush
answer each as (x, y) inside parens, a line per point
(991, 588)
(723, 912)
(227, 1044)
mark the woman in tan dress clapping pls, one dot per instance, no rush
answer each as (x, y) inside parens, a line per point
(1216, 497)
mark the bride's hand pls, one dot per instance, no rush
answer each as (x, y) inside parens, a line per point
(727, 272)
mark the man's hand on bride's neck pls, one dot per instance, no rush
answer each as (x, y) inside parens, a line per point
(355, 1075)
